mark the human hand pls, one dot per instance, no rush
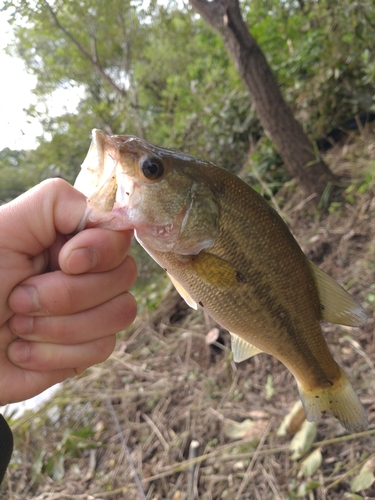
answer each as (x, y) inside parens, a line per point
(62, 298)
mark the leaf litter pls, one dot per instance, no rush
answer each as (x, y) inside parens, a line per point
(170, 385)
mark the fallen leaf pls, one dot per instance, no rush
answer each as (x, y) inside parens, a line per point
(363, 481)
(365, 478)
(303, 440)
(311, 464)
(246, 429)
(293, 420)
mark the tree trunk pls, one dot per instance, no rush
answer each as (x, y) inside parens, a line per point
(274, 114)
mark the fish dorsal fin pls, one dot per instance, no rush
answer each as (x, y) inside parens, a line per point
(216, 271)
(337, 306)
(241, 349)
(184, 294)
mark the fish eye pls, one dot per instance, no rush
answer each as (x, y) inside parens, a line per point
(152, 168)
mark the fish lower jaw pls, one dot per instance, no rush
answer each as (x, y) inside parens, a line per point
(163, 238)
(167, 239)
(107, 220)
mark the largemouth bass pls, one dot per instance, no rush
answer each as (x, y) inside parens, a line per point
(228, 251)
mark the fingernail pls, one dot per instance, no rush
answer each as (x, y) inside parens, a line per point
(21, 325)
(19, 351)
(81, 260)
(24, 299)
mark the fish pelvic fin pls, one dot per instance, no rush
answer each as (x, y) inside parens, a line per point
(337, 306)
(184, 294)
(340, 400)
(241, 349)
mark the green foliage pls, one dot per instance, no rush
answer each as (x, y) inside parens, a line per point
(71, 446)
(158, 71)
(370, 296)
(16, 175)
(305, 487)
(323, 55)
(362, 185)
(152, 283)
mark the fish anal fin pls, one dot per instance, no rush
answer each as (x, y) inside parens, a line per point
(241, 349)
(340, 401)
(216, 271)
(184, 294)
(337, 306)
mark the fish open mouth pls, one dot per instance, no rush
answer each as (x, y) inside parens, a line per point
(102, 180)
(99, 164)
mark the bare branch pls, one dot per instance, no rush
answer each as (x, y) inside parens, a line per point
(133, 88)
(94, 61)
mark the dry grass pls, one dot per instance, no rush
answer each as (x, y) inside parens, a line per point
(167, 387)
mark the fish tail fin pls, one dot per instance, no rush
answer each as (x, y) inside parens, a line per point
(340, 400)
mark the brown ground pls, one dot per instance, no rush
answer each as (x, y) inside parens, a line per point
(167, 387)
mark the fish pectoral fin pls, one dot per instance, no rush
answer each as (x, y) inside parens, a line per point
(337, 306)
(241, 349)
(216, 271)
(184, 294)
(340, 400)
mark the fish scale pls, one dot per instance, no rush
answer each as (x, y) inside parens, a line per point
(251, 309)
(228, 251)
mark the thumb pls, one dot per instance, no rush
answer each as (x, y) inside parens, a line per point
(32, 220)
